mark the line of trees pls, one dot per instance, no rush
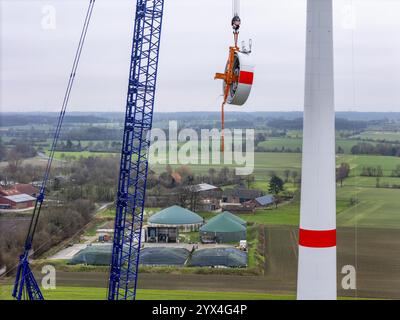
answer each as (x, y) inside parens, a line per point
(368, 171)
(383, 149)
(55, 225)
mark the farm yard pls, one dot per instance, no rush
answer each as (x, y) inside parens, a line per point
(367, 203)
(278, 181)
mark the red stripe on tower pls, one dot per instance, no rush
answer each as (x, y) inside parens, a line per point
(317, 238)
(246, 77)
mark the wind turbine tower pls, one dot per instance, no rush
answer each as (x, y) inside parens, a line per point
(317, 234)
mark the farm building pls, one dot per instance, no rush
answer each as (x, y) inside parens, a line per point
(240, 195)
(264, 201)
(209, 196)
(19, 196)
(165, 225)
(8, 192)
(240, 208)
(17, 201)
(26, 189)
(223, 228)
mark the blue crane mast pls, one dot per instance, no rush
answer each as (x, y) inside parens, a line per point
(135, 146)
(25, 286)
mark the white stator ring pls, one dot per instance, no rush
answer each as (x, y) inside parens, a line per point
(243, 71)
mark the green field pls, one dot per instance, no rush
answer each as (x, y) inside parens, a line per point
(265, 162)
(78, 154)
(357, 181)
(380, 136)
(377, 208)
(296, 143)
(358, 162)
(286, 214)
(79, 293)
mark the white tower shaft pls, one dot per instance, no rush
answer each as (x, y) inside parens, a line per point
(317, 234)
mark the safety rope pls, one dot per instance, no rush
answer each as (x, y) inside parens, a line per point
(39, 201)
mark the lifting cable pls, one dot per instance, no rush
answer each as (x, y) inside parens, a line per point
(40, 198)
(228, 77)
(235, 8)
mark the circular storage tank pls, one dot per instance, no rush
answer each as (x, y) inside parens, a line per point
(223, 229)
(176, 216)
(243, 70)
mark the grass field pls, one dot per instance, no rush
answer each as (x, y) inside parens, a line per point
(78, 154)
(357, 162)
(285, 214)
(79, 293)
(296, 143)
(377, 207)
(380, 136)
(371, 181)
(265, 162)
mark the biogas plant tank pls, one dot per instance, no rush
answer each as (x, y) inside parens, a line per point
(243, 70)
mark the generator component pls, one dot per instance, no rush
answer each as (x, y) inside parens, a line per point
(239, 72)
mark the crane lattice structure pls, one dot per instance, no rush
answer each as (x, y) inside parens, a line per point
(135, 146)
(130, 199)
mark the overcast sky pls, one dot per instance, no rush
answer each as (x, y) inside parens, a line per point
(35, 62)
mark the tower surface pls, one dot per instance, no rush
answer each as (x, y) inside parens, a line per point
(317, 234)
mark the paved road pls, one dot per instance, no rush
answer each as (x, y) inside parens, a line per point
(68, 253)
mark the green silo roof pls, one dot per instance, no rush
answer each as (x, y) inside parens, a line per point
(222, 223)
(175, 215)
(234, 218)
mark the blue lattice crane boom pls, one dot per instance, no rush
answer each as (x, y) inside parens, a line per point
(135, 146)
(25, 286)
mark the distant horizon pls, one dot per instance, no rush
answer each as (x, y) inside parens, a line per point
(207, 111)
(36, 58)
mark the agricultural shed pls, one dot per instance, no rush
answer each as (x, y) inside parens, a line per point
(240, 195)
(18, 201)
(264, 201)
